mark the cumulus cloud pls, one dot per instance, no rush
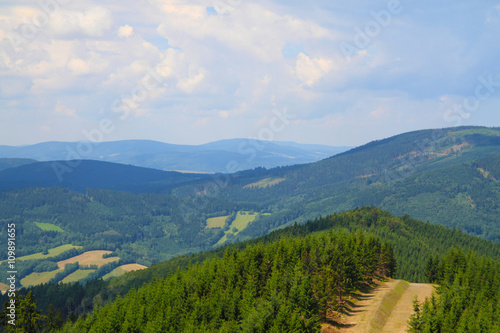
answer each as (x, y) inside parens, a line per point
(93, 22)
(311, 70)
(125, 31)
(224, 70)
(64, 110)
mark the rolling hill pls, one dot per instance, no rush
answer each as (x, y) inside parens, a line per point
(6, 163)
(412, 242)
(447, 176)
(210, 157)
(79, 175)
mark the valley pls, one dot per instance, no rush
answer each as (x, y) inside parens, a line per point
(108, 228)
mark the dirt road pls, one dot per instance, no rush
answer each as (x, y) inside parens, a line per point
(397, 321)
(389, 305)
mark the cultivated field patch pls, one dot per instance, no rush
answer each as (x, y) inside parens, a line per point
(123, 269)
(77, 275)
(52, 252)
(89, 258)
(35, 279)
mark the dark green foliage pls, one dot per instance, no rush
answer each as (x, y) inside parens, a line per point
(468, 297)
(412, 242)
(45, 266)
(79, 175)
(68, 269)
(286, 285)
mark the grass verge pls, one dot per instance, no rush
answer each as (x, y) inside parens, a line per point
(386, 306)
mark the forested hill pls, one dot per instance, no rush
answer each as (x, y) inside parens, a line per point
(79, 175)
(448, 177)
(6, 163)
(289, 285)
(413, 243)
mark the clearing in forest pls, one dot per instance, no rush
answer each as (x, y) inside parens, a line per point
(48, 227)
(241, 221)
(263, 183)
(216, 222)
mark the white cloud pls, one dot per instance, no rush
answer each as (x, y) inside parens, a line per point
(309, 71)
(226, 72)
(64, 110)
(252, 29)
(125, 31)
(93, 22)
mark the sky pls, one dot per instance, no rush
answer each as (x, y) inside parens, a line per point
(339, 73)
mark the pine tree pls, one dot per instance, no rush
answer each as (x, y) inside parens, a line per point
(415, 320)
(29, 317)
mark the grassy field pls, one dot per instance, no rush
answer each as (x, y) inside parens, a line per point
(241, 221)
(3, 287)
(52, 252)
(77, 275)
(265, 183)
(48, 227)
(123, 269)
(89, 258)
(38, 278)
(216, 222)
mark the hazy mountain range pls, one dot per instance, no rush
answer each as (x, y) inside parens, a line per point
(242, 154)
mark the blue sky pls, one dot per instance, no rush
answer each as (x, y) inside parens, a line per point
(190, 72)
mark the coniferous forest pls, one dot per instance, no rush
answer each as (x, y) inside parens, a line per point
(288, 285)
(289, 280)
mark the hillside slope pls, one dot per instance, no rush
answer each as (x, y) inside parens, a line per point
(447, 177)
(79, 175)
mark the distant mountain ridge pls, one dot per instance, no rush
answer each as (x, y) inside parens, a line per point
(79, 175)
(210, 157)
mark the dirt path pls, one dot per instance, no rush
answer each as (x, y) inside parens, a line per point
(396, 323)
(359, 319)
(370, 310)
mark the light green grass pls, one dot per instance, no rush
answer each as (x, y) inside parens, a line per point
(52, 252)
(387, 305)
(263, 183)
(216, 222)
(38, 278)
(123, 269)
(77, 275)
(48, 227)
(114, 273)
(241, 221)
